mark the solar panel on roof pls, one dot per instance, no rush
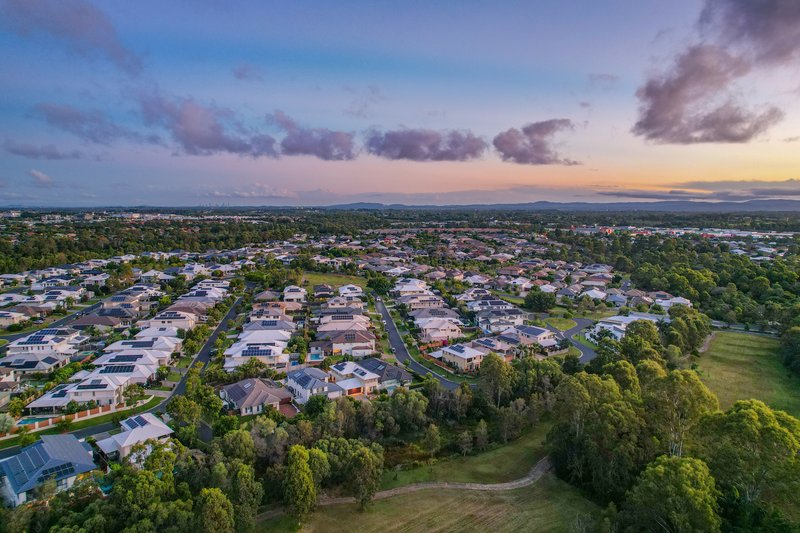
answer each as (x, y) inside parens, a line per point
(125, 358)
(119, 369)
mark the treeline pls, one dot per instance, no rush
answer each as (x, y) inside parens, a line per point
(652, 444)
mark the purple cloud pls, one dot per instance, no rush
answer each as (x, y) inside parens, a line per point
(201, 129)
(680, 107)
(319, 142)
(32, 151)
(246, 72)
(93, 125)
(426, 145)
(691, 101)
(85, 29)
(532, 145)
(762, 30)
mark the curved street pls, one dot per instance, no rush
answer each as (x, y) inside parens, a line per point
(401, 351)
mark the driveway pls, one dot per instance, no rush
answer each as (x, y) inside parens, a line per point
(401, 352)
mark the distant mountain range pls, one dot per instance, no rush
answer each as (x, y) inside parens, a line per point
(677, 206)
(661, 206)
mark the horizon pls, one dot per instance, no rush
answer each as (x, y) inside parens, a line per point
(453, 104)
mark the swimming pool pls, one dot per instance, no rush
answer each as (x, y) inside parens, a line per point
(31, 420)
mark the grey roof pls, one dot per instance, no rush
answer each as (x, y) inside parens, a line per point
(59, 456)
(386, 371)
(252, 392)
(531, 330)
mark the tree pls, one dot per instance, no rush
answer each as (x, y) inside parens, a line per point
(495, 377)
(16, 407)
(6, 423)
(320, 467)
(432, 441)
(750, 447)
(380, 284)
(214, 512)
(133, 394)
(300, 495)
(538, 301)
(790, 342)
(676, 494)
(675, 404)
(465, 442)
(481, 435)
(245, 494)
(365, 474)
(238, 444)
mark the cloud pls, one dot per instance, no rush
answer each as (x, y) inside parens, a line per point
(532, 145)
(681, 107)
(246, 72)
(40, 178)
(93, 126)
(765, 31)
(257, 190)
(319, 142)
(32, 151)
(203, 129)
(691, 102)
(425, 145)
(85, 29)
(724, 190)
(362, 104)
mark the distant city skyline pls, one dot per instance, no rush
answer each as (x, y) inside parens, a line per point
(454, 102)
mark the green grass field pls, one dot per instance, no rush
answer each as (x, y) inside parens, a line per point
(738, 366)
(550, 505)
(562, 324)
(504, 463)
(335, 280)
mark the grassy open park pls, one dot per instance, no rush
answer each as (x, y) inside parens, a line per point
(561, 324)
(504, 463)
(550, 505)
(335, 280)
(739, 366)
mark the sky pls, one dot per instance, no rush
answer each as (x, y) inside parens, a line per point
(211, 102)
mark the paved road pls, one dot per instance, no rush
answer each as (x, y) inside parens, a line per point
(401, 352)
(587, 354)
(203, 358)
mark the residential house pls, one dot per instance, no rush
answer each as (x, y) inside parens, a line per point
(354, 379)
(138, 429)
(438, 329)
(293, 293)
(308, 382)
(460, 356)
(389, 376)
(251, 396)
(61, 457)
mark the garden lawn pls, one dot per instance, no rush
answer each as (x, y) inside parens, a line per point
(562, 324)
(550, 505)
(334, 280)
(504, 463)
(739, 366)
